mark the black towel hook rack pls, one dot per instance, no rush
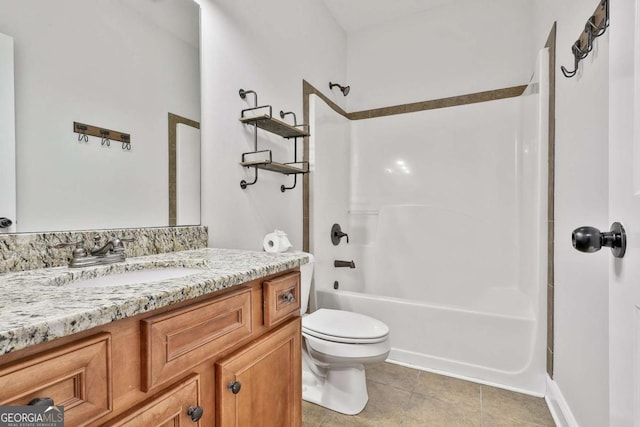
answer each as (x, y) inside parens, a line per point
(595, 26)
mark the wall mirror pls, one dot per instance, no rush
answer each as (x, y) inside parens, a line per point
(120, 65)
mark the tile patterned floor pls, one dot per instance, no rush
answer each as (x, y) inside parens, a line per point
(400, 396)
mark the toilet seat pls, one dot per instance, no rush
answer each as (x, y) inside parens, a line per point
(340, 353)
(344, 327)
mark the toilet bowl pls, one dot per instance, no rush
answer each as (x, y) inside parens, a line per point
(336, 347)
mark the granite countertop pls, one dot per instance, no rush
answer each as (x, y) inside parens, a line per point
(40, 305)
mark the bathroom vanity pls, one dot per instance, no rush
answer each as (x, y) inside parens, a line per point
(218, 347)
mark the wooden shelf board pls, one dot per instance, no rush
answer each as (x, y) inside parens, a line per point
(276, 126)
(274, 167)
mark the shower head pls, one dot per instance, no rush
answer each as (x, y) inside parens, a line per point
(344, 89)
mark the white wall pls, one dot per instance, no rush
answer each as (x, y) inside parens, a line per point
(7, 134)
(458, 166)
(581, 194)
(456, 48)
(329, 199)
(269, 47)
(108, 64)
(532, 188)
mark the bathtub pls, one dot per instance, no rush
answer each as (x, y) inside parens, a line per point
(454, 304)
(486, 344)
(446, 212)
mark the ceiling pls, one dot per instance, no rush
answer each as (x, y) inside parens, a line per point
(354, 15)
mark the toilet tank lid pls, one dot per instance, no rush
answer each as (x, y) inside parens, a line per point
(344, 324)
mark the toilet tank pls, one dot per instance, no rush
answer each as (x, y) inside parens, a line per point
(306, 274)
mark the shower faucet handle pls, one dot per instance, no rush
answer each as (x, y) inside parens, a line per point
(337, 234)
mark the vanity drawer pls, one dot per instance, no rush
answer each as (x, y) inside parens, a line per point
(178, 340)
(76, 376)
(170, 408)
(281, 298)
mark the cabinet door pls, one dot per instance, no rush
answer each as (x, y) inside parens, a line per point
(171, 408)
(267, 379)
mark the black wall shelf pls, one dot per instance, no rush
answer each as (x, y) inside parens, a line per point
(266, 121)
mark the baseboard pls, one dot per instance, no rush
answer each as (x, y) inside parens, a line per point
(560, 411)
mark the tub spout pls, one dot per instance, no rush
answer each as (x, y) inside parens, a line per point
(338, 263)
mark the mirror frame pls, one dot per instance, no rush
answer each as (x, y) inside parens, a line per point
(174, 121)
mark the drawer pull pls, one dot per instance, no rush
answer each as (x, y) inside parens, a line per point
(234, 387)
(41, 401)
(195, 412)
(288, 297)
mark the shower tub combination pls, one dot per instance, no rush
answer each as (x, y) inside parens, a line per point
(446, 212)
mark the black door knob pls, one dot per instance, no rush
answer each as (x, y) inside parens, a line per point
(234, 387)
(5, 222)
(590, 239)
(195, 412)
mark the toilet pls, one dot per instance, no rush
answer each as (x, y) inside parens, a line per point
(336, 346)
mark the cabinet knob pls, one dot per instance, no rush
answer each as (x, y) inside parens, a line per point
(288, 297)
(234, 387)
(5, 222)
(41, 401)
(195, 412)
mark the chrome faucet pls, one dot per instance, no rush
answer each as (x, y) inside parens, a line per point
(113, 245)
(111, 252)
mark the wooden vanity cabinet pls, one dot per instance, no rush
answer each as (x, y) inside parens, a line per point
(174, 366)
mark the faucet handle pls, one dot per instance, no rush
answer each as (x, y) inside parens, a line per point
(117, 242)
(337, 234)
(96, 242)
(79, 250)
(65, 245)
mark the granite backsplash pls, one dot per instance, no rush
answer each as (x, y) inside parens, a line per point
(29, 251)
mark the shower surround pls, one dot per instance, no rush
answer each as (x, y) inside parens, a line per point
(446, 213)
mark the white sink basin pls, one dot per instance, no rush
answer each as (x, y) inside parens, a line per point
(135, 277)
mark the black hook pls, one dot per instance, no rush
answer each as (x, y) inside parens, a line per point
(82, 136)
(126, 141)
(244, 184)
(243, 94)
(295, 182)
(578, 55)
(283, 114)
(592, 31)
(105, 139)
